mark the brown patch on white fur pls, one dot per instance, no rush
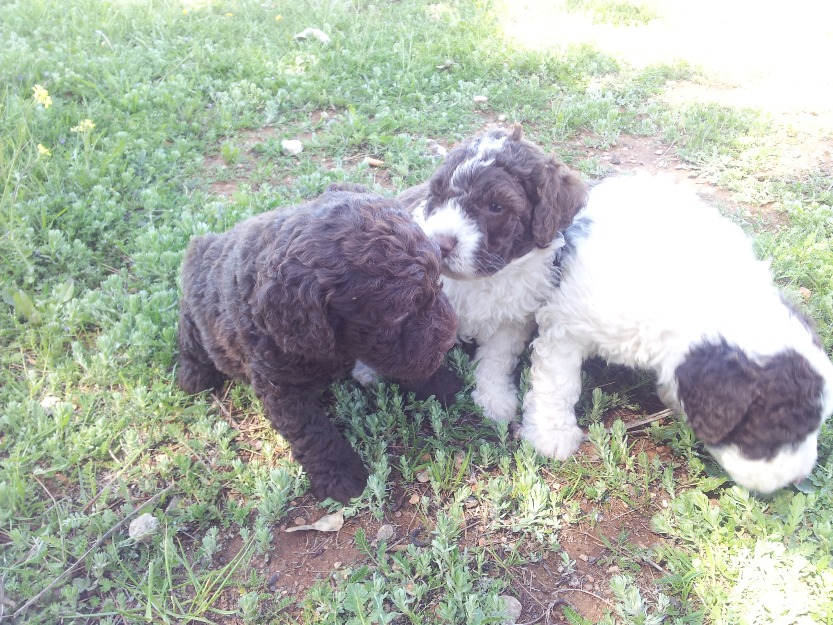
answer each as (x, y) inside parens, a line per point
(509, 191)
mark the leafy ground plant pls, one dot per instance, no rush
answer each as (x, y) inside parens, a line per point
(126, 128)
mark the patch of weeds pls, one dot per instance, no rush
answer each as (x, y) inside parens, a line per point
(230, 152)
(616, 12)
(709, 135)
(440, 583)
(755, 556)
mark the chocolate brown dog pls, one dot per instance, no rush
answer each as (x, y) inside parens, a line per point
(288, 301)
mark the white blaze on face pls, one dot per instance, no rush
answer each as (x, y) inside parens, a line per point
(451, 222)
(481, 158)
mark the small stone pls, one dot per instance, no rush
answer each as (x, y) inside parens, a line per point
(292, 146)
(336, 565)
(414, 500)
(615, 160)
(299, 520)
(471, 502)
(438, 149)
(480, 99)
(397, 514)
(587, 586)
(591, 579)
(613, 569)
(501, 118)
(49, 402)
(583, 557)
(422, 477)
(805, 293)
(142, 528)
(513, 609)
(386, 532)
(658, 152)
(314, 33)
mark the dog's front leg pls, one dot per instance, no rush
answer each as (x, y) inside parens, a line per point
(334, 468)
(495, 389)
(549, 421)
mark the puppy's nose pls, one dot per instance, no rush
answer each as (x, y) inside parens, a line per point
(446, 243)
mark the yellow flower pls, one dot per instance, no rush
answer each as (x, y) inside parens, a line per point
(41, 96)
(229, 14)
(185, 11)
(43, 150)
(84, 126)
(278, 18)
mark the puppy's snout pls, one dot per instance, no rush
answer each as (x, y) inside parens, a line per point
(446, 243)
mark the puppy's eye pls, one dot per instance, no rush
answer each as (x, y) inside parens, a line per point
(495, 208)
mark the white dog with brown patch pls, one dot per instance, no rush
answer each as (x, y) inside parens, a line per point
(646, 275)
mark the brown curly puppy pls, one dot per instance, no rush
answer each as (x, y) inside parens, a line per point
(289, 300)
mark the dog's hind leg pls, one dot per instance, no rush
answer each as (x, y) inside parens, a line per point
(549, 421)
(334, 468)
(195, 369)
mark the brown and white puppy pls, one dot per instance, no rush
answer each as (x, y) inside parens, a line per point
(289, 300)
(496, 208)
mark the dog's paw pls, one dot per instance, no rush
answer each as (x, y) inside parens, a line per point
(559, 443)
(363, 374)
(497, 405)
(339, 480)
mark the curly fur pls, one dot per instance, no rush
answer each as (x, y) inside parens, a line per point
(289, 300)
(655, 279)
(496, 207)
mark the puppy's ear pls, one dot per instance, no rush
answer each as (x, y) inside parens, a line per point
(560, 196)
(516, 132)
(716, 388)
(759, 408)
(290, 306)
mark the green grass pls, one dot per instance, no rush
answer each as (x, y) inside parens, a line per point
(93, 226)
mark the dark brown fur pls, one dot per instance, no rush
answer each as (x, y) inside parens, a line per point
(289, 300)
(729, 399)
(520, 201)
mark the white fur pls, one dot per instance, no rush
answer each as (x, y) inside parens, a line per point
(487, 146)
(496, 311)
(768, 475)
(450, 220)
(657, 273)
